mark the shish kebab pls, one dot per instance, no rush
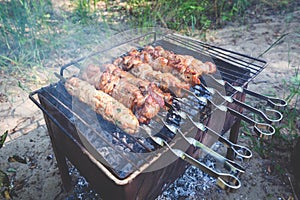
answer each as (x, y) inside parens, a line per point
(145, 98)
(165, 80)
(142, 97)
(185, 68)
(105, 105)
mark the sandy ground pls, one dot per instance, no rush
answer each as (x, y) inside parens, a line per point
(40, 179)
(283, 62)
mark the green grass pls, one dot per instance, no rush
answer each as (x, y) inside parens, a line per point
(22, 24)
(179, 14)
(187, 16)
(23, 31)
(33, 35)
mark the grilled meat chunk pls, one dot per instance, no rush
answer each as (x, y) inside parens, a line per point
(193, 64)
(148, 110)
(144, 85)
(176, 68)
(184, 67)
(166, 81)
(107, 82)
(108, 107)
(132, 92)
(91, 74)
(129, 95)
(149, 68)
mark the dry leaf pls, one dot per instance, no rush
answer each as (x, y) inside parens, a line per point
(16, 158)
(6, 194)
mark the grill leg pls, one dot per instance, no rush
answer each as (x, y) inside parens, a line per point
(234, 131)
(233, 137)
(59, 155)
(63, 168)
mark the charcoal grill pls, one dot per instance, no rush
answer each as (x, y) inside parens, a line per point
(119, 166)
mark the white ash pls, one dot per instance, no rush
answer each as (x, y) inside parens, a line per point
(81, 189)
(146, 143)
(193, 182)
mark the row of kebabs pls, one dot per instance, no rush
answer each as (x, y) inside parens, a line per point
(135, 87)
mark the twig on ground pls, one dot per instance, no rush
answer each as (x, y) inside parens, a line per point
(295, 195)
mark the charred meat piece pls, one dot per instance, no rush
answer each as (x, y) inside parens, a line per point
(176, 68)
(108, 107)
(127, 62)
(140, 69)
(141, 84)
(200, 67)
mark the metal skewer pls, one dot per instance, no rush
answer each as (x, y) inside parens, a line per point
(229, 164)
(225, 181)
(275, 103)
(271, 116)
(239, 150)
(263, 130)
(203, 100)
